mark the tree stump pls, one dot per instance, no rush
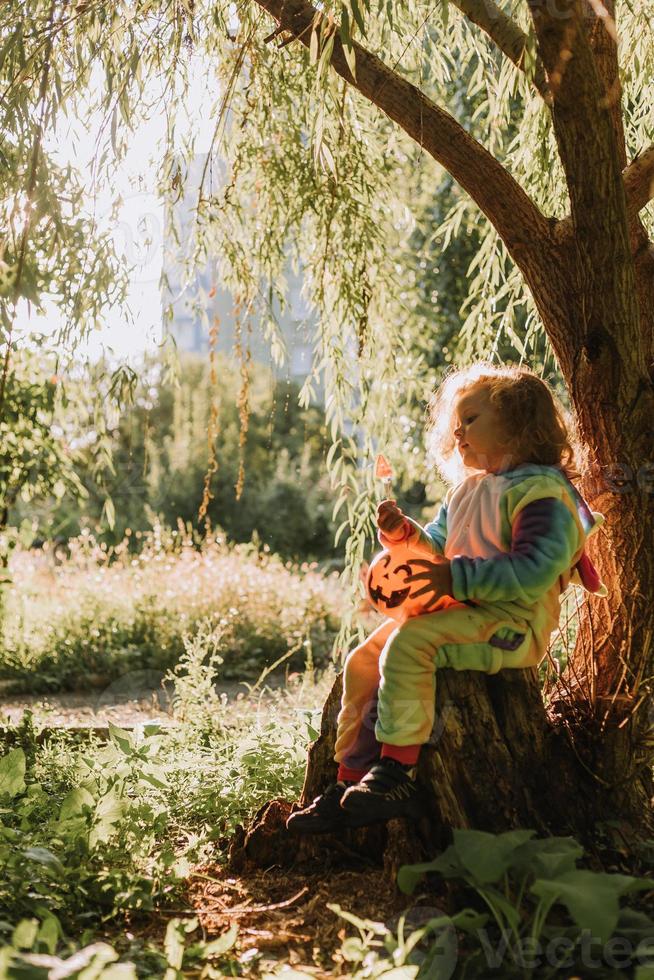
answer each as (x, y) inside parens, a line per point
(495, 761)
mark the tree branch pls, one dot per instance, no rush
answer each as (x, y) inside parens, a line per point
(522, 226)
(587, 145)
(508, 37)
(603, 276)
(603, 41)
(639, 180)
(582, 122)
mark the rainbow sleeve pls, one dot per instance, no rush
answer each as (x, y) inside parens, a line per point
(544, 540)
(430, 539)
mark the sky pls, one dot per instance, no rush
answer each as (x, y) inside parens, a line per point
(138, 230)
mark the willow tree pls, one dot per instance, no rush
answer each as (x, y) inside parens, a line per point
(324, 118)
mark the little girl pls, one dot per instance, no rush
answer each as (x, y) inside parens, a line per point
(506, 543)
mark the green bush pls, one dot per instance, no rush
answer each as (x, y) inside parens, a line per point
(103, 613)
(96, 831)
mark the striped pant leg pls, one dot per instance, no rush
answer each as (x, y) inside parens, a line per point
(356, 745)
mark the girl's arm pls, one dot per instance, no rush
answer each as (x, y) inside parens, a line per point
(544, 541)
(428, 540)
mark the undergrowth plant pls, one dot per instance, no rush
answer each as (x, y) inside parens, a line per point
(30, 955)
(96, 834)
(544, 913)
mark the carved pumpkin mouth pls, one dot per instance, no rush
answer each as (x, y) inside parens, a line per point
(396, 598)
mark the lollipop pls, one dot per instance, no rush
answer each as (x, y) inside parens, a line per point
(384, 472)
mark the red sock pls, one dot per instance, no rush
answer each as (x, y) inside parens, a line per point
(406, 754)
(345, 774)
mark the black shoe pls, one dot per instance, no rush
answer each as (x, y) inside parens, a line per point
(388, 790)
(324, 816)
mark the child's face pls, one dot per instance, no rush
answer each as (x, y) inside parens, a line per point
(478, 432)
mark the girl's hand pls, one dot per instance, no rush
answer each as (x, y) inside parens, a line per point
(437, 576)
(390, 520)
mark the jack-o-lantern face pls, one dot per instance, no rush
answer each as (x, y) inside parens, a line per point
(389, 591)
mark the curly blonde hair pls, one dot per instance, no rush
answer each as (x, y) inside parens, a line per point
(535, 426)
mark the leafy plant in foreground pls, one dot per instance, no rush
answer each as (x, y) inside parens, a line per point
(30, 955)
(520, 880)
(430, 951)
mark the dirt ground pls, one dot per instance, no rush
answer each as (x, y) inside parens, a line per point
(283, 917)
(133, 699)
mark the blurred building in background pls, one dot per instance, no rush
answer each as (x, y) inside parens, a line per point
(203, 293)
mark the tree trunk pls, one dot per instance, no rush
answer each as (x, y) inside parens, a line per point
(612, 392)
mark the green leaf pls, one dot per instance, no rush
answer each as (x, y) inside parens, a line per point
(116, 971)
(447, 864)
(332, 451)
(353, 949)
(74, 804)
(590, 897)
(470, 921)
(547, 858)
(109, 513)
(108, 812)
(121, 738)
(314, 45)
(49, 933)
(326, 56)
(487, 856)
(45, 857)
(25, 933)
(358, 16)
(379, 928)
(114, 127)
(346, 38)
(174, 943)
(152, 775)
(12, 773)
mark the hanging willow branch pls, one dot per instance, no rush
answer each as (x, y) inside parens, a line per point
(212, 429)
(31, 184)
(490, 185)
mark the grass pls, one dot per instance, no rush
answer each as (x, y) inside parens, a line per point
(94, 833)
(89, 617)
